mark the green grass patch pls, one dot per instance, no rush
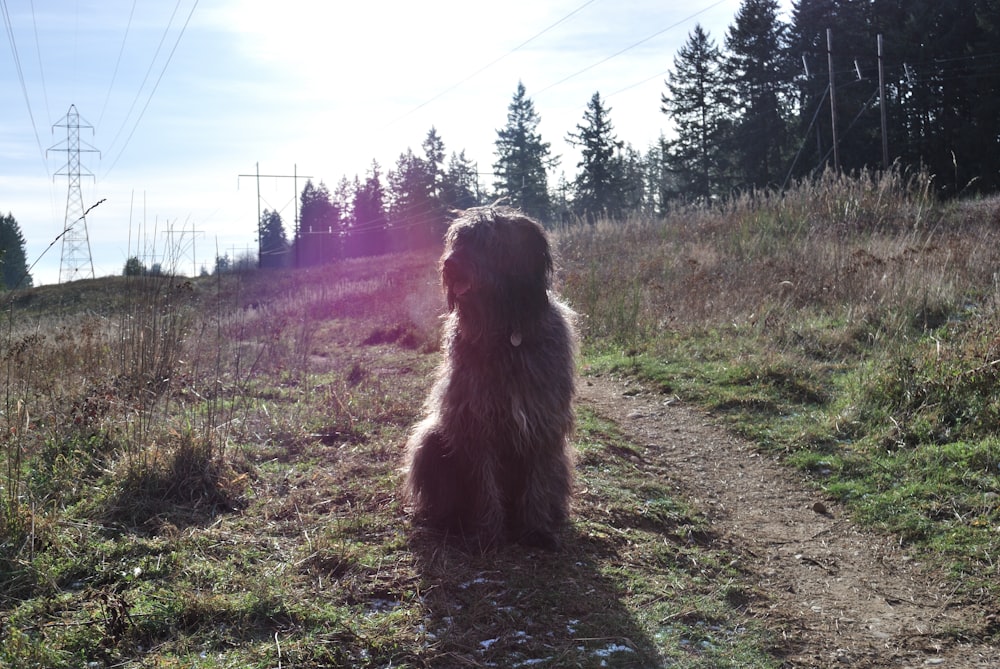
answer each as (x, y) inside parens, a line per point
(863, 351)
(245, 512)
(906, 438)
(205, 473)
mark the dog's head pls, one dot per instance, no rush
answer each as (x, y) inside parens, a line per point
(496, 264)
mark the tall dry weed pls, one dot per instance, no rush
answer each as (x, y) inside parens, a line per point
(147, 348)
(875, 247)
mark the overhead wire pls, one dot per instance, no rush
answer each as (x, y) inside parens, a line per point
(145, 78)
(630, 47)
(495, 61)
(76, 44)
(114, 75)
(45, 94)
(864, 107)
(806, 137)
(41, 70)
(155, 85)
(640, 83)
(20, 75)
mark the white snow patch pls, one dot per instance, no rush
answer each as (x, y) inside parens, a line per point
(611, 649)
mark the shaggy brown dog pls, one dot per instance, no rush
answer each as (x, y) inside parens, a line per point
(491, 462)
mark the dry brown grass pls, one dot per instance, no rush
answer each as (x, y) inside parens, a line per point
(869, 249)
(206, 473)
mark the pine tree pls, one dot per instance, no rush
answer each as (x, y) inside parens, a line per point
(942, 88)
(659, 185)
(760, 75)
(13, 260)
(273, 241)
(417, 195)
(697, 101)
(522, 159)
(633, 173)
(599, 186)
(434, 154)
(562, 210)
(461, 183)
(854, 51)
(320, 226)
(949, 98)
(134, 267)
(367, 235)
(343, 198)
(223, 264)
(412, 210)
(433, 147)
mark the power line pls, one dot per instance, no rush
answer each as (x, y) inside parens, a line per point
(495, 61)
(145, 78)
(20, 76)
(295, 194)
(114, 76)
(640, 83)
(629, 48)
(805, 138)
(155, 86)
(38, 51)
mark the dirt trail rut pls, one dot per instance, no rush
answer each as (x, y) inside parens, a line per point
(839, 595)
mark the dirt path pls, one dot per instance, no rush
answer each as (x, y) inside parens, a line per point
(841, 596)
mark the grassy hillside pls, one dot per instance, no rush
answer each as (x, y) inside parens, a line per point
(204, 472)
(850, 324)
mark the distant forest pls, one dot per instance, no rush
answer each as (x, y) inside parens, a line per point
(755, 108)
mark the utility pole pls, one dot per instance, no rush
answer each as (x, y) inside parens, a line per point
(233, 249)
(295, 201)
(881, 102)
(295, 198)
(833, 99)
(175, 251)
(819, 132)
(76, 261)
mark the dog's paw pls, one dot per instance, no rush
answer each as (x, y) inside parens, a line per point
(539, 539)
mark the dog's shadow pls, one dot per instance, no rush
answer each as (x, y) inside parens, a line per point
(524, 607)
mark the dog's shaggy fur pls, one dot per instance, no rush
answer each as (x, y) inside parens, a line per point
(490, 462)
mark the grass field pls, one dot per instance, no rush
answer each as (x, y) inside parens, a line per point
(851, 325)
(204, 473)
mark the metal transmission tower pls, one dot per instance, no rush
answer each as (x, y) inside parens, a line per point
(76, 262)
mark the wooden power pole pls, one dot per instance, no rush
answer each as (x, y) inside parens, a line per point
(833, 99)
(295, 199)
(881, 102)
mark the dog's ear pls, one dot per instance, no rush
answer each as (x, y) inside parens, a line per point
(456, 279)
(530, 267)
(536, 255)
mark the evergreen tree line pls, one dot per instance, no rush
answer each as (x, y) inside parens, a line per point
(754, 111)
(13, 260)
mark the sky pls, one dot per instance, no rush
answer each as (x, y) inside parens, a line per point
(183, 102)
